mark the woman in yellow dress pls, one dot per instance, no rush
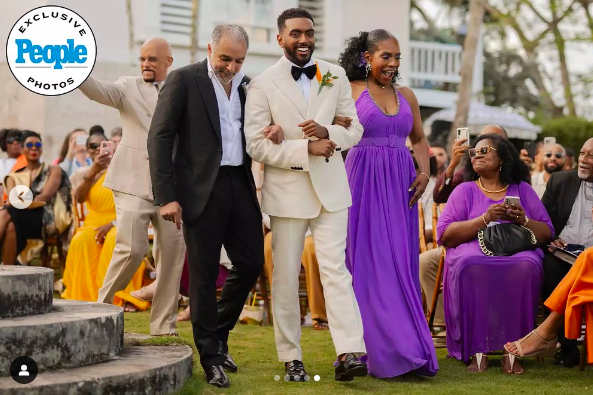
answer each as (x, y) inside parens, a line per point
(92, 245)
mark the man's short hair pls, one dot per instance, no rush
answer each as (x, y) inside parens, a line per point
(30, 133)
(116, 131)
(438, 144)
(292, 13)
(233, 30)
(569, 152)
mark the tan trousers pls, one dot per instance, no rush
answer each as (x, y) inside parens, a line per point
(343, 314)
(134, 214)
(311, 266)
(429, 266)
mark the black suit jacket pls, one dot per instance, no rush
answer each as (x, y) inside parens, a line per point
(187, 118)
(561, 193)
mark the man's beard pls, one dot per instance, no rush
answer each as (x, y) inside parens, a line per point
(293, 55)
(550, 170)
(224, 78)
(149, 79)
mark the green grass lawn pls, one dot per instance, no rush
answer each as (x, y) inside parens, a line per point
(254, 351)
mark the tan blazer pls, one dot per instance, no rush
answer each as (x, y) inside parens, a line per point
(136, 100)
(296, 184)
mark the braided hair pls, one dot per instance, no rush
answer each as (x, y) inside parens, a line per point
(352, 60)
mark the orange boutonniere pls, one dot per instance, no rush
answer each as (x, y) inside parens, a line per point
(326, 80)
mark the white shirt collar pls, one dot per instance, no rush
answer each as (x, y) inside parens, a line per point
(235, 81)
(289, 64)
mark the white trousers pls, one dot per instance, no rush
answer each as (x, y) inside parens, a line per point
(329, 236)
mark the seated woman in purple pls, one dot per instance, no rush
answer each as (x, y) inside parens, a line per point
(490, 299)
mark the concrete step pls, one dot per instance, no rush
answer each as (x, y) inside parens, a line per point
(138, 370)
(25, 290)
(72, 334)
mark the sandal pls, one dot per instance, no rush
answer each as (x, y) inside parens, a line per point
(320, 325)
(478, 357)
(511, 358)
(551, 347)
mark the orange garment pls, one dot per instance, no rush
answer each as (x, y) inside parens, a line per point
(573, 296)
(21, 163)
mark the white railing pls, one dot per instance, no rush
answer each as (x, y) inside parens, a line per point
(438, 66)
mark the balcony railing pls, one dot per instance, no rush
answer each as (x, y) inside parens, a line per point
(437, 66)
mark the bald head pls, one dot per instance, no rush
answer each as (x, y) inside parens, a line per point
(495, 129)
(155, 59)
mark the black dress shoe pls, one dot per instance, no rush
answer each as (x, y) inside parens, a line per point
(568, 357)
(229, 363)
(295, 371)
(349, 368)
(216, 376)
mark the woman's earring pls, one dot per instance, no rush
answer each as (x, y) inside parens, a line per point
(396, 78)
(369, 68)
(500, 168)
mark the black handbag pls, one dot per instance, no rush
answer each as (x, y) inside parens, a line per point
(506, 239)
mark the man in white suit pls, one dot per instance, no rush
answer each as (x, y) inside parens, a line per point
(129, 179)
(305, 185)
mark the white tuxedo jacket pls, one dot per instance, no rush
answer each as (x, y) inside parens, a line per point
(136, 100)
(296, 184)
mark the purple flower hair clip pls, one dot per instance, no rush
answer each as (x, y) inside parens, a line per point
(362, 61)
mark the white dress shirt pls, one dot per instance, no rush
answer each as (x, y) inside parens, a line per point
(304, 82)
(229, 112)
(579, 228)
(538, 183)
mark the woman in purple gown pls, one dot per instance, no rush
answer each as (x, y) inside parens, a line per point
(383, 243)
(490, 299)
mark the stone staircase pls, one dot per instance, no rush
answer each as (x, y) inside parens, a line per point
(78, 346)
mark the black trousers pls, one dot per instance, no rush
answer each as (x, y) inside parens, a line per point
(554, 271)
(231, 218)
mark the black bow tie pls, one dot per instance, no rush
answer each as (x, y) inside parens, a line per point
(297, 72)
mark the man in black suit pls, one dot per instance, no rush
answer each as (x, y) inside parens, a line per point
(207, 186)
(569, 202)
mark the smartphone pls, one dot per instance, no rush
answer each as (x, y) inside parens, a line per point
(463, 133)
(512, 200)
(549, 140)
(81, 140)
(107, 147)
(529, 146)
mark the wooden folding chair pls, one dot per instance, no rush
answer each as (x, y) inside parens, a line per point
(438, 285)
(422, 228)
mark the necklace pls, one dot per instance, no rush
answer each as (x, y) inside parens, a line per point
(487, 191)
(366, 82)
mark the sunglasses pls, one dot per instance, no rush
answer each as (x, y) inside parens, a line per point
(11, 140)
(37, 145)
(473, 152)
(559, 155)
(93, 146)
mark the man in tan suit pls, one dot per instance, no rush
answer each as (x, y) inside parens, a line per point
(129, 179)
(305, 185)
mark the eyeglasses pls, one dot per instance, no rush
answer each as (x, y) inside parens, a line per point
(37, 145)
(559, 155)
(473, 152)
(11, 140)
(93, 146)
(151, 59)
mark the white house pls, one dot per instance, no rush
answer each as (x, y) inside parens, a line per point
(119, 34)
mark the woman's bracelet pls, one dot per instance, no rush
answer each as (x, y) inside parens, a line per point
(484, 219)
(526, 221)
(426, 175)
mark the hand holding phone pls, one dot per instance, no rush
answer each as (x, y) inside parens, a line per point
(107, 147)
(512, 200)
(81, 140)
(463, 133)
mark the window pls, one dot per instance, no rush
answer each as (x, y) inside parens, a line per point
(317, 9)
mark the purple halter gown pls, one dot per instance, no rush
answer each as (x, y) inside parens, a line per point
(383, 246)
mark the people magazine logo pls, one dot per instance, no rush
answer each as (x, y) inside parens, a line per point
(51, 50)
